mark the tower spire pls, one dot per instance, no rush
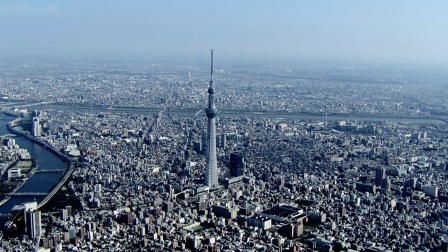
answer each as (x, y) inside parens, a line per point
(211, 89)
(211, 69)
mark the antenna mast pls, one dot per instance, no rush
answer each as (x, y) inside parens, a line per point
(211, 72)
(211, 88)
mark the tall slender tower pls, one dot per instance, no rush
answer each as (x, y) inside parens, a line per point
(211, 173)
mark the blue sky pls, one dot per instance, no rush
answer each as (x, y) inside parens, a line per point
(342, 30)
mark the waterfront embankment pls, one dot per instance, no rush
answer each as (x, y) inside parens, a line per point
(69, 162)
(53, 171)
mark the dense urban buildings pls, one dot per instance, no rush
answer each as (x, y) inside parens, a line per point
(310, 158)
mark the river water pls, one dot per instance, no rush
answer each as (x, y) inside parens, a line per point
(300, 116)
(40, 181)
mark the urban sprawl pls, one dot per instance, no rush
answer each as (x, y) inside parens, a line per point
(309, 157)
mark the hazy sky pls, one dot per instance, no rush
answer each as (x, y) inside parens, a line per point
(380, 30)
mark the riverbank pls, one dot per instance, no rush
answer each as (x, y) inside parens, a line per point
(16, 174)
(66, 160)
(28, 136)
(26, 169)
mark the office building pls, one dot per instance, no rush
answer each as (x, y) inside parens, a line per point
(237, 164)
(380, 174)
(37, 129)
(33, 223)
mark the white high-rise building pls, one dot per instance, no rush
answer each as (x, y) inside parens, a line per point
(33, 223)
(37, 129)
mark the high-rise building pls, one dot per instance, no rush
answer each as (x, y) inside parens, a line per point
(380, 174)
(37, 130)
(10, 142)
(33, 223)
(386, 184)
(27, 207)
(211, 173)
(223, 140)
(237, 164)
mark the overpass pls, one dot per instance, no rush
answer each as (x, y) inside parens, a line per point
(59, 185)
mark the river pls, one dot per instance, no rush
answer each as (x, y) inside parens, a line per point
(251, 114)
(40, 181)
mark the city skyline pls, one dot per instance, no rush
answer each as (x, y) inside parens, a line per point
(401, 31)
(315, 153)
(325, 131)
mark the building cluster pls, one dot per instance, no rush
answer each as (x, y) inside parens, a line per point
(149, 182)
(15, 162)
(285, 184)
(259, 87)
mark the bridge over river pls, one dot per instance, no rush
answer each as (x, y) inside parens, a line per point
(28, 194)
(50, 170)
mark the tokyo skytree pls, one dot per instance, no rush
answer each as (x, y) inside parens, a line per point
(211, 172)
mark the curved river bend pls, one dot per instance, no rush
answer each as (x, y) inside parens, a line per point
(40, 182)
